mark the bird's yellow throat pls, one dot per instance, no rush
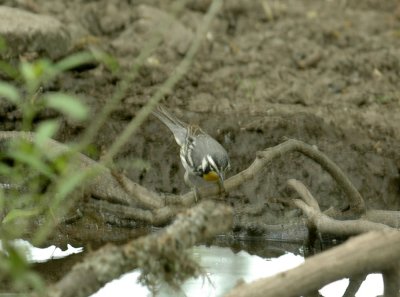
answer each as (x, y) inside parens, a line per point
(211, 176)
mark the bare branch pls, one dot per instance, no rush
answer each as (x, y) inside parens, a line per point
(371, 252)
(355, 200)
(387, 217)
(354, 285)
(197, 224)
(326, 224)
(391, 280)
(154, 217)
(106, 186)
(304, 193)
(116, 190)
(144, 196)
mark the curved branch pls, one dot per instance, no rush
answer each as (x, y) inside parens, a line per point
(118, 189)
(387, 217)
(371, 252)
(304, 194)
(355, 199)
(107, 185)
(326, 224)
(103, 183)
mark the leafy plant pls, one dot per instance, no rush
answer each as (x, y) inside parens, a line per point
(36, 181)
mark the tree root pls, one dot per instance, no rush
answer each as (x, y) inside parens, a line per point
(115, 196)
(118, 196)
(355, 283)
(376, 251)
(371, 252)
(326, 224)
(160, 256)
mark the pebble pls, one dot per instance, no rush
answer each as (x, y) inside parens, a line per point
(27, 33)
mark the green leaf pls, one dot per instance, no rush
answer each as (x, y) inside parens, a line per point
(8, 70)
(34, 280)
(20, 213)
(2, 200)
(5, 169)
(3, 45)
(71, 184)
(9, 92)
(28, 74)
(33, 161)
(46, 130)
(36, 73)
(27, 71)
(74, 61)
(44, 70)
(109, 61)
(68, 105)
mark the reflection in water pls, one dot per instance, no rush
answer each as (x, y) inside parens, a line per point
(371, 287)
(224, 269)
(37, 255)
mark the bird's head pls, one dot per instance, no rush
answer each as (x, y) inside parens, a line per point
(214, 169)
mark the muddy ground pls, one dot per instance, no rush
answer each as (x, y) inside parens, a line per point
(324, 72)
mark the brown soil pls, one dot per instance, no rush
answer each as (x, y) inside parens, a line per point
(325, 72)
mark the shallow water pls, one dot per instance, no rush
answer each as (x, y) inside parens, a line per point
(224, 269)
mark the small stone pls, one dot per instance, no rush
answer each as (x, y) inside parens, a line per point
(25, 32)
(201, 102)
(113, 18)
(151, 21)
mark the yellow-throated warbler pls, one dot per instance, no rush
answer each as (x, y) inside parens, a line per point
(201, 155)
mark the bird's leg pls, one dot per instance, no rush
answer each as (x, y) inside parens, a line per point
(196, 194)
(189, 183)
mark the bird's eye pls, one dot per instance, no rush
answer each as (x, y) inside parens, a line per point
(208, 168)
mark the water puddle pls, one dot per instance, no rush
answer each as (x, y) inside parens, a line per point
(224, 269)
(39, 255)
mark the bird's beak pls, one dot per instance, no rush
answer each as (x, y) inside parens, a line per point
(221, 176)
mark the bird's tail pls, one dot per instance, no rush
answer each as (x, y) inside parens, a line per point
(177, 127)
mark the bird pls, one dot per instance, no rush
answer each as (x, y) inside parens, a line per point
(201, 155)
